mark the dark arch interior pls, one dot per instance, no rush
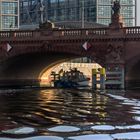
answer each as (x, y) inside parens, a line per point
(134, 76)
(25, 69)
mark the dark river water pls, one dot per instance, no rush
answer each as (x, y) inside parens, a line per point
(53, 114)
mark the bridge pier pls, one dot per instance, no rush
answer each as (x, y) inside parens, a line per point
(98, 78)
(111, 77)
(115, 76)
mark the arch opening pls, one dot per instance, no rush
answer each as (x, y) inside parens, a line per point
(83, 64)
(30, 69)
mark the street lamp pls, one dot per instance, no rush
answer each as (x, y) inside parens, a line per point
(41, 11)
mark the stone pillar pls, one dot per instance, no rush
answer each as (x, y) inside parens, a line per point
(102, 78)
(115, 77)
(94, 79)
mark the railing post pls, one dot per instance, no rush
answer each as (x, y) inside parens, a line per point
(83, 32)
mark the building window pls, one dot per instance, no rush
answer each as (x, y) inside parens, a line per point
(9, 14)
(9, 22)
(9, 8)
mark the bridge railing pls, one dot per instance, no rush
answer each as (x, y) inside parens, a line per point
(129, 31)
(16, 34)
(132, 30)
(78, 32)
(53, 32)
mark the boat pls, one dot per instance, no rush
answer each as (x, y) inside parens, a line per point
(71, 79)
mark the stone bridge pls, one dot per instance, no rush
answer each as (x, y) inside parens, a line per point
(34, 51)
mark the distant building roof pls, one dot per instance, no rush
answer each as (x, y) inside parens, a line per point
(78, 24)
(66, 24)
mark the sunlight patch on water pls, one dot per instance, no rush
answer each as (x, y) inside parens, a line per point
(92, 137)
(103, 127)
(64, 129)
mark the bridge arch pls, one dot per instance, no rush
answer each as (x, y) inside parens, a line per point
(133, 72)
(26, 69)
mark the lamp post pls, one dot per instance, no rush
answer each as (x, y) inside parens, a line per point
(83, 14)
(41, 11)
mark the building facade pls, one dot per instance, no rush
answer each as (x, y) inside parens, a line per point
(98, 11)
(128, 11)
(9, 14)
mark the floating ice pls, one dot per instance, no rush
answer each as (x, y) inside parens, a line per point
(36, 138)
(92, 137)
(137, 118)
(131, 135)
(45, 138)
(22, 130)
(137, 126)
(64, 129)
(118, 97)
(103, 127)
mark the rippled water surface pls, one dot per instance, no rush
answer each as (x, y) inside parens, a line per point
(69, 115)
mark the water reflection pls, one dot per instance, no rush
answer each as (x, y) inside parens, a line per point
(68, 114)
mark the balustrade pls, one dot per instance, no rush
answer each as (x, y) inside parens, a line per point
(132, 30)
(16, 34)
(84, 32)
(66, 32)
(71, 33)
(23, 34)
(4, 34)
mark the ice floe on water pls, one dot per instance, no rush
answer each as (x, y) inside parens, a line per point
(21, 130)
(103, 127)
(92, 137)
(36, 138)
(117, 97)
(137, 126)
(109, 127)
(127, 136)
(137, 118)
(136, 112)
(64, 128)
(45, 138)
(126, 101)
